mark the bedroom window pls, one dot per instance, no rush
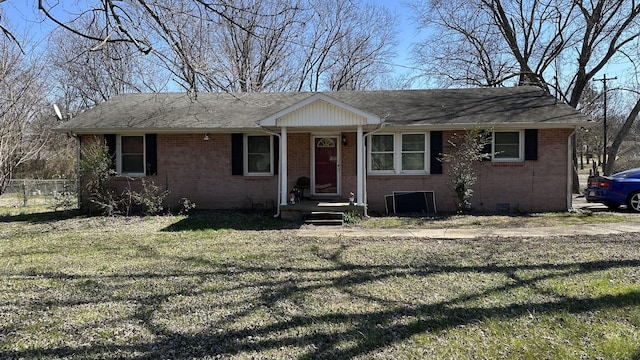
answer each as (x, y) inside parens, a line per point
(402, 153)
(131, 156)
(258, 156)
(508, 146)
(382, 153)
(413, 152)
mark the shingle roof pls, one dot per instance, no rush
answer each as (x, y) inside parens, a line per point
(221, 111)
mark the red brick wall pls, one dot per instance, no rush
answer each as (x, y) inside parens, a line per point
(348, 162)
(200, 170)
(299, 158)
(527, 186)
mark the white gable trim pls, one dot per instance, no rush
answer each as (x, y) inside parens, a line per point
(272, 120)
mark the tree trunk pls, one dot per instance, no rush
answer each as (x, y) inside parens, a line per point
(612, 152)
(575, 181)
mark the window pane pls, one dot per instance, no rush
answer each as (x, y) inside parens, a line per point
(132, 154)
(507, 145)
(507, 137)
(132, 144)
(382, 161)
(132, 163)
(382, 143)
(507, 151)
(413, 161)
(258, 163)
(258, 144)
(259, 154)
(413, 142)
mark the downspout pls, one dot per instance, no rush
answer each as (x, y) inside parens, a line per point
(279, 170)
(364, 180)
(78, 169)
(570, 170)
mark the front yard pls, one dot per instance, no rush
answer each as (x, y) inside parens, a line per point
(211, 287)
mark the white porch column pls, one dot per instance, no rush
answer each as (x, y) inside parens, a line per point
(284, 191)
(360, 165)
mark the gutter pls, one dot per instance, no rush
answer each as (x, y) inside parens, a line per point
(570, 169)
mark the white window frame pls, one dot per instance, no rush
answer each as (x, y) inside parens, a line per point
(397, 155)
(245, 154)
(119, 156)
(520, 157)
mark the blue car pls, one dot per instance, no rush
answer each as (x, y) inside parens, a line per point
(622, 188)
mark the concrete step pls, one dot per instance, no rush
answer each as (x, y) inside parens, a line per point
(324, 218)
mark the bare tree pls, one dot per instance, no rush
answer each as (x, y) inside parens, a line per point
(245, 45)
(465, 50)
(253, 51)
(541, 38)
(621, 134)
(344, 45)
(91, 72)
(358, 54)
(22, 94)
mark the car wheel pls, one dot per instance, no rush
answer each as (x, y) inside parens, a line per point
(633, 202)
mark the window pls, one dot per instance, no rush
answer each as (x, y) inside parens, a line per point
(382, 153)
(258, 156)
(131, 157)
(413, 150)
(507, 146)
(398, 153)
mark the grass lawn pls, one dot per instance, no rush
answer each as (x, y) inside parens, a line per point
(218, 287)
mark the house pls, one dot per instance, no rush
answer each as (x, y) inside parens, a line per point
(243, 150)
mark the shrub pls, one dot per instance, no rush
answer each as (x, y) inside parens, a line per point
(99, 193)
(150, 198)
(466, 149)
(95, 177)
(185, 206)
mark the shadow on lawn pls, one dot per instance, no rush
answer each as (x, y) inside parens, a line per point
(235, 220)
(359, 332)
(42, 217)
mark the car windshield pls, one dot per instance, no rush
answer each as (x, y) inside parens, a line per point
(633, 173)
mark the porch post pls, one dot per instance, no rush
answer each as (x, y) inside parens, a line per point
(360, 164)
(284, 192)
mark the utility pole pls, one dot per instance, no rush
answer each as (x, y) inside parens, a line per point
(604, 123)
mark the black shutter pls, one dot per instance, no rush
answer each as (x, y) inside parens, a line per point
(276, 154)
(436, 153)
(531, 144)
(110, 143)
(151, 146)
(237, 149)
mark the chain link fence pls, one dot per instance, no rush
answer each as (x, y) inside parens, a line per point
(26, 192)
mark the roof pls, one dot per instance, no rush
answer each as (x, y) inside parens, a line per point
(438, 108)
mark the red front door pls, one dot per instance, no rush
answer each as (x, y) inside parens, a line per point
(326, 165)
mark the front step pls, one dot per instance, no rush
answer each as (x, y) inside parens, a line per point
(324, 218)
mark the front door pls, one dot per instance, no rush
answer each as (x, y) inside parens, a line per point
(326, 165)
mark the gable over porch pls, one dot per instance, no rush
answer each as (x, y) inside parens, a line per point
(326, 123)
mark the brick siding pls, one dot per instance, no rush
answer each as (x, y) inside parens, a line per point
(190, 167)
